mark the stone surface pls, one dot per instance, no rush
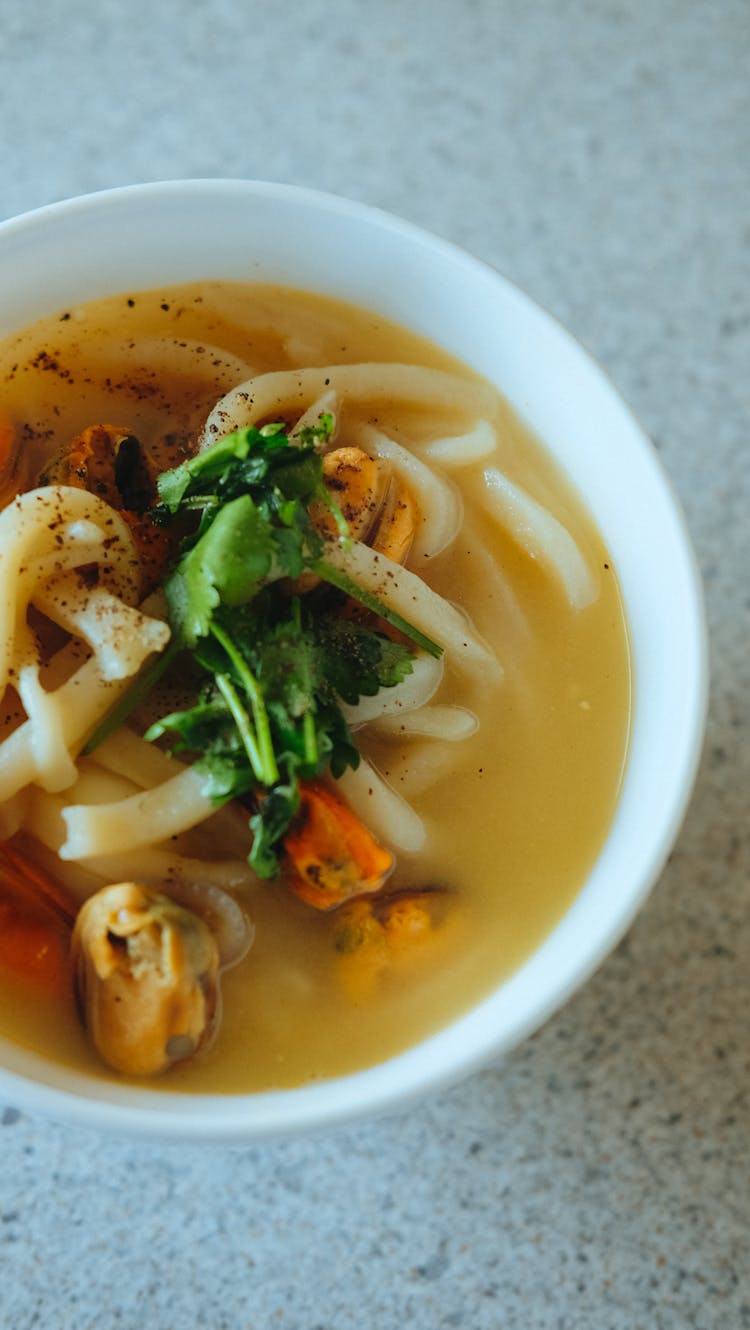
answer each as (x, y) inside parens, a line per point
(597, 154)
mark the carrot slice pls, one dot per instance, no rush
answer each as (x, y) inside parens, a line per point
(32, 888)
(33, 950)
(331, 855)
(35, 920)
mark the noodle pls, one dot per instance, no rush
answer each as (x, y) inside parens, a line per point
(418, 770)
(48, 521)
(137, 820)
(440, 505)
(435, 722)
(52, 759)
(382, 809)
(42, 533)
(269, 396)
(152, 865)
(540, 534)
(80, 703)
(403, 591)
(178, 355)
(462, 450)
(116, 631)
(142, 763)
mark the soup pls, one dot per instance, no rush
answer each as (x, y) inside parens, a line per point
(490, 776)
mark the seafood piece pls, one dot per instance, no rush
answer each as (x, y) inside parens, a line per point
(379, 510)
(396, 524)
(35, 921)
(358, 484)
(377, 936)
(110, 461)
(331, 856)
(145, 973)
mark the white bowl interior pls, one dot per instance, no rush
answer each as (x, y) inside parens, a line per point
(156, 235)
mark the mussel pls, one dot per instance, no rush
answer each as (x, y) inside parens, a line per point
(379, 510)
(146, 978)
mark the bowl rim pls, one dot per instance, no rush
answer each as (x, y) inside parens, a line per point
(454, 1051)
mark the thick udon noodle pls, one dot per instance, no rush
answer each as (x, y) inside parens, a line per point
(130, 811)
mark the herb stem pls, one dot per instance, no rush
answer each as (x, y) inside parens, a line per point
(338, 578)
(265, 766)
(197, 502)
(324, 496)
(309, 738)
(241, 720)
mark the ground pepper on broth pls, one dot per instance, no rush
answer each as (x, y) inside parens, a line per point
(513, 823)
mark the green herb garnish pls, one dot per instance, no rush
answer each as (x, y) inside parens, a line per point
(276, 666)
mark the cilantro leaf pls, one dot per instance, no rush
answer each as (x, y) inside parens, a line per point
(226, 566)
(357, 661)
(269, 826)
(174, 485)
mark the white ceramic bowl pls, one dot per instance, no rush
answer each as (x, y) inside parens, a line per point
(155, 235)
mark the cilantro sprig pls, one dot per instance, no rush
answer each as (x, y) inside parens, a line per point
(275, 666)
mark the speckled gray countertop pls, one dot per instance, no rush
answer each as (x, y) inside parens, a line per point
(599, 155)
